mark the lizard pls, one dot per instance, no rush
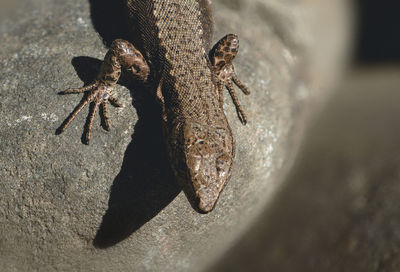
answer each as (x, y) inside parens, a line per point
(174, 60)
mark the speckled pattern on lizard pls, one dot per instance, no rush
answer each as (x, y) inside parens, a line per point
(175, 61)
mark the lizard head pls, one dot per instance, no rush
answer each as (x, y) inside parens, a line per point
(204, 168)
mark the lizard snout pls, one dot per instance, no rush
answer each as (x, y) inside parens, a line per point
(208, 174)
(205, 167)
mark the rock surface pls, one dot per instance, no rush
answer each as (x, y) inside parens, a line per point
(114, 205)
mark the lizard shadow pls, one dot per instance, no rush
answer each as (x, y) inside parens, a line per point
(145, 184)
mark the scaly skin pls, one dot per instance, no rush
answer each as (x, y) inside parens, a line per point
(173, 63)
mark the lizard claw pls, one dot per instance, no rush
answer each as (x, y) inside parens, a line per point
(79, 90)
(99, 94)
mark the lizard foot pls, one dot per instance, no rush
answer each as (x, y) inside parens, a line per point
(221, 56)
(99, 94)
(121, 55)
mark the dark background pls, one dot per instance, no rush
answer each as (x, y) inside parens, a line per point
(378, 39)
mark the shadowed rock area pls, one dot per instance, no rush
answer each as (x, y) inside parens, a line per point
(114, 205)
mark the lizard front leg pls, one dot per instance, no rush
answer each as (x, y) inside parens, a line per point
(221, 57)
(122, 55)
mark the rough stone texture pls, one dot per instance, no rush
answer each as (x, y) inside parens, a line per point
(339, 209)
(114, 205)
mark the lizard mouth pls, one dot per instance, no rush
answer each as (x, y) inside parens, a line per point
(206, 200)
(201, 192)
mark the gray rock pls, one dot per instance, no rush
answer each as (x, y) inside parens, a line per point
(114, 205)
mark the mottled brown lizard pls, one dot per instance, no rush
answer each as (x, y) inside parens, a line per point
(172, 60)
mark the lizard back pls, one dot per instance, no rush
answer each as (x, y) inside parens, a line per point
(175, 37)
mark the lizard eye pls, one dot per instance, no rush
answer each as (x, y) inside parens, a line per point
(223, 164)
